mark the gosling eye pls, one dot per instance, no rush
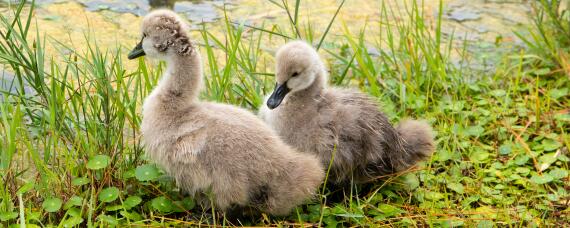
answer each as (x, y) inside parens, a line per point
(295, 74)
(144, 35)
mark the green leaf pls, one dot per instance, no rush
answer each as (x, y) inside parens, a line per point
(542, 71)
(558, 93)
(547, 159)
(184, 205)
(162, 204)
(479, 156)
(108, 220)
(541, 179)
(131, 215)
(505, 149)
(52, 205)
(498, 93)
(74, 211)
(114, 208)
(73, 201)
(132, 201)
(147, 172)
(98, 162)
(72, 221)
(25, 188)
(80, 181)
(411, 181)
(558, 173)
(109, 194)
(129, 174)
(389, 210)
(8, 215)
(550, 145)
(457, 187)
(474, 131)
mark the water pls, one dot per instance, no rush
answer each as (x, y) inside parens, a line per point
(487, 24)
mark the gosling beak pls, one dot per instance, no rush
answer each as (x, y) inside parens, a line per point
(137, 51)
(277, 95)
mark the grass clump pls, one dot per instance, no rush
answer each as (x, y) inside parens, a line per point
(71, 153)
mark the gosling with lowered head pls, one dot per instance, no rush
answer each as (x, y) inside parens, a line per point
(210, 147)
(314, 118)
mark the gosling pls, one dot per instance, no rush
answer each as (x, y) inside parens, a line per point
(215, 149)
(325, 121)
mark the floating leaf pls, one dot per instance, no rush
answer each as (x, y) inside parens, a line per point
(80, 181)
(162, 204)
(52, 205)
(98, 162)
(147, 172)
(132, 201)
(109, 194)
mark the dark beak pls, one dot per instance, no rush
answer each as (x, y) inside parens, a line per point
(137, 51)
(277, 95)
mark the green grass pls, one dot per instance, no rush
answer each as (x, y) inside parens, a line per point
(71, 152)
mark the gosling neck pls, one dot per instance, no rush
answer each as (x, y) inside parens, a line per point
(183, 77)
(312, 92)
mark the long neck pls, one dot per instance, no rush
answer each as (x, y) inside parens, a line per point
(183, 79)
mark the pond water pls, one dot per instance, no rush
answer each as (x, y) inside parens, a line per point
(115, 23)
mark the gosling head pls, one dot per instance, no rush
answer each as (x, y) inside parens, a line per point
(298, 66)
(163, 35)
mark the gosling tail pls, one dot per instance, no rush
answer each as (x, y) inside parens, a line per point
(418, 140)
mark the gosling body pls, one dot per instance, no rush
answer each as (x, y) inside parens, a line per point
(214, 148)
(344, 126)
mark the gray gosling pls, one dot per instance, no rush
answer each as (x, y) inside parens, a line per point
(312, 117)
(210, 148)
